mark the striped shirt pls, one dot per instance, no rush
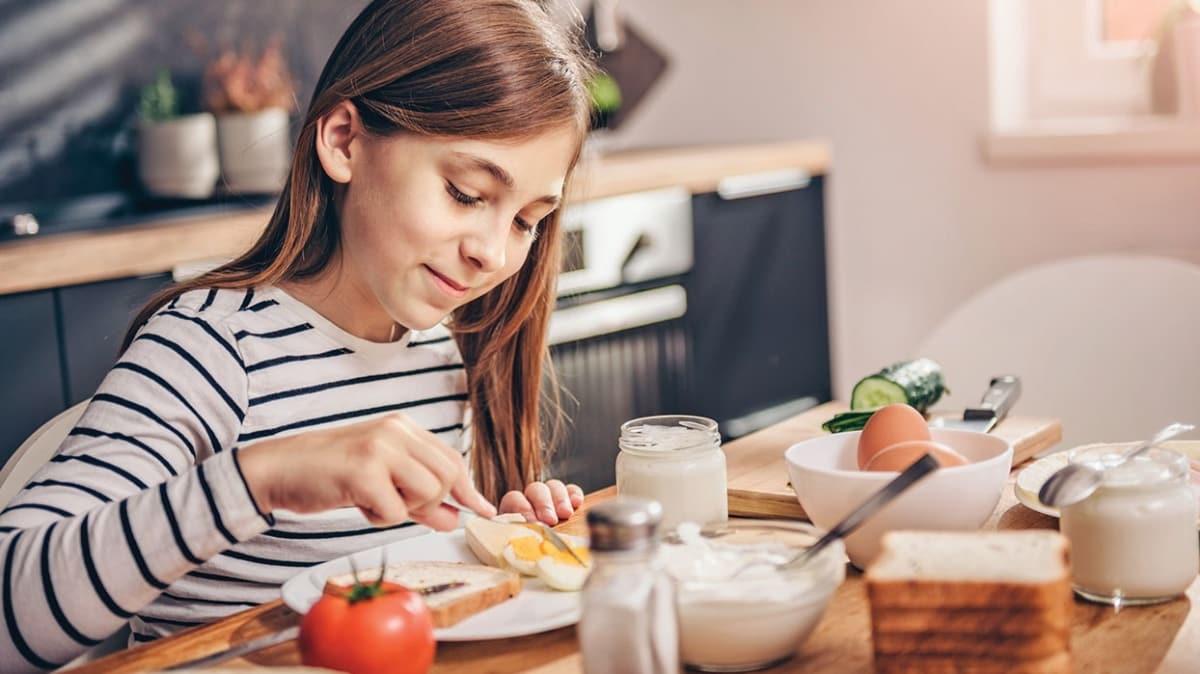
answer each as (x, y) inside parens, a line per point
(143, 515)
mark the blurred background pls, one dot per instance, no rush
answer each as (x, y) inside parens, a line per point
(781, 197)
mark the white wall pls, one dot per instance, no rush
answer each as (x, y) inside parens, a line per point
(918, 221)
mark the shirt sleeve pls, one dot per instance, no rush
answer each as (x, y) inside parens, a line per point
(145, 488)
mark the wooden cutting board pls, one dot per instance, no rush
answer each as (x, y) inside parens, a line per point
(758, 480)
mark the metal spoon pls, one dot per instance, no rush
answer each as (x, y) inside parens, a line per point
(1076, 481)
(922, 467)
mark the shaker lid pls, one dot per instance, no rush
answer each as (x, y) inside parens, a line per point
(624, 523)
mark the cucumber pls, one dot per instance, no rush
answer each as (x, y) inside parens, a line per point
(847, 421)
(918, 383)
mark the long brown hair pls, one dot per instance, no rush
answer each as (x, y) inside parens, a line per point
(486, 69)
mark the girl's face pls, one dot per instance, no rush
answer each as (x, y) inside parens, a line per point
(430, 224)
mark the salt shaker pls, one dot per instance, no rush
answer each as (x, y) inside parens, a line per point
(628, 623)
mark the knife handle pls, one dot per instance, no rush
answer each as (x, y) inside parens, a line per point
(998, 400)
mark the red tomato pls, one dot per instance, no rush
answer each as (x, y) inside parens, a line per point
(388, 631)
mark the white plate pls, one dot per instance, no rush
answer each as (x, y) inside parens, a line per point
(536, 609)
(1032, 477)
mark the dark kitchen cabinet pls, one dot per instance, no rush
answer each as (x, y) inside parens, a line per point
(57, 345)
(758, 307)
(609, 380)
(29, 363)
(94, 319)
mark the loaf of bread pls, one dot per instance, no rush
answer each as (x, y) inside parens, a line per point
(977, 602)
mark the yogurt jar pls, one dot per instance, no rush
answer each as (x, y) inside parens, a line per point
(1134, 540)
(739, 622)
(677, 461)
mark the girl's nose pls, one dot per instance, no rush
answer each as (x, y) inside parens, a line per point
(486, 249)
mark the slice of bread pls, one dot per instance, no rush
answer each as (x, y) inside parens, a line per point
(979, 621)
(484, 587)
(995, 569)
(1055, 664)
(1021, 648)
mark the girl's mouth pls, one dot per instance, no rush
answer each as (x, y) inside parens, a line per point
(447, 284)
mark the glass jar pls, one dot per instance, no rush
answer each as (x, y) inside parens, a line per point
(738, 610)
(677, 461)
(1133, 541)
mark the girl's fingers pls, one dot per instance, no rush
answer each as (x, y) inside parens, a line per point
(464, 491)
(451, 469)
(417, 485)
(543, 503)
(515, 502)
(380, 502)
(437, 516)
(575, 492)
(562, 502)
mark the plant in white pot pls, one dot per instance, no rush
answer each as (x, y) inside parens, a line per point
(252, 98)
(177, 155)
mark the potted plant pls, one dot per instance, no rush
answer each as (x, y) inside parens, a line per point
(606, 99)
(251, 98)
(177, 155)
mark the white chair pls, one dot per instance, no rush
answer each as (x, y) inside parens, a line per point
(36, 451)
(20, 467)
(1108, 344)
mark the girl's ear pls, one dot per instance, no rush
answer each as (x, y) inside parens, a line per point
(336, 132)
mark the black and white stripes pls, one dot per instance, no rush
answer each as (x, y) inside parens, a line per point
(143, 516)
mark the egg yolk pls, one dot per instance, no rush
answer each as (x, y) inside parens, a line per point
(532, 549)
(527, 548)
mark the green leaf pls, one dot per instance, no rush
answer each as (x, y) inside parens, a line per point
(605, 92)
(158, 101)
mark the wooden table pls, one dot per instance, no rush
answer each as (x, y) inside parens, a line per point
(1163, 638)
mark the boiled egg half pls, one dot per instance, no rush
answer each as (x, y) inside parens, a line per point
(556, 568)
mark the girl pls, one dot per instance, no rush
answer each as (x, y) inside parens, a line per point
(308, 400)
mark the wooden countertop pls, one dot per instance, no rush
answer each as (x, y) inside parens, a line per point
(66, 259)
(1161, 638)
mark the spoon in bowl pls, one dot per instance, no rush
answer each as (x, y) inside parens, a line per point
(1076, 481)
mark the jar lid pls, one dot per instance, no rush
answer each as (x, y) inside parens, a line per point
(624, 523)
(669, 433)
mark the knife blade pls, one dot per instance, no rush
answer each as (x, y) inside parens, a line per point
(238, 651)
(1002, 393)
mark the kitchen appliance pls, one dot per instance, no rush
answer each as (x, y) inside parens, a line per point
(106, 210)
(617, 336)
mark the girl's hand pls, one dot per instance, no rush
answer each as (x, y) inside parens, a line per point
(550, 501)
(389, 468)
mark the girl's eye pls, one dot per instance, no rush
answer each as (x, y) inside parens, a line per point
(460, 197)
(525, 226)
(465, 199)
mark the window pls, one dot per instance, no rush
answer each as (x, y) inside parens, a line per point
(1076, 58)
(1131, 21)
(1071, 79)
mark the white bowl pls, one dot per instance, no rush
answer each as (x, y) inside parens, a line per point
(757, 618)
(829, 485)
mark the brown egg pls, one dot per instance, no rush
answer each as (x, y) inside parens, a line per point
(900, 456)
(890, 425)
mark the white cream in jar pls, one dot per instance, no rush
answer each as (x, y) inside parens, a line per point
(730, 622)
(677, 461)
(1134, 540)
